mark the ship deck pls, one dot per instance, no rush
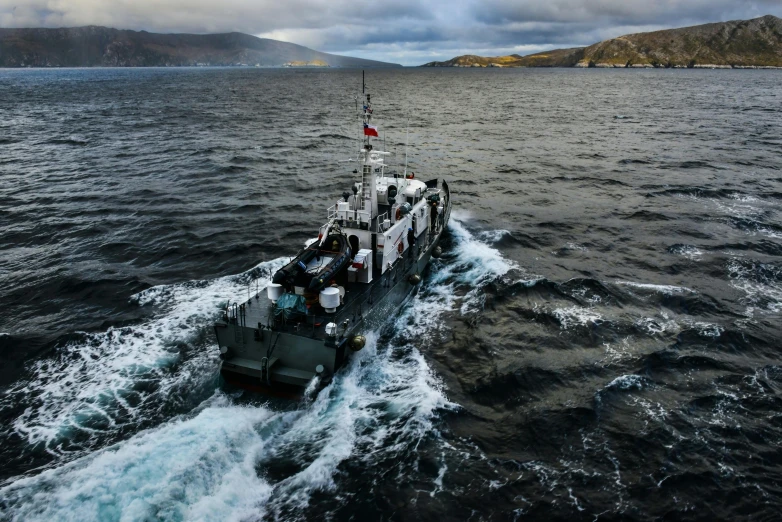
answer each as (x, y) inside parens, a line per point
(258, 312)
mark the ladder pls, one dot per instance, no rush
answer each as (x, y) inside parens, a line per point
(366, 182)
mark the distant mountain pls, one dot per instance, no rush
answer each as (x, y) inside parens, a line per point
(94, 46)
(747, 43)
(555, 58)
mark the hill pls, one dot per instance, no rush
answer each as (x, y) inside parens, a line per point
(94, 46)
(743, 43)
(555, 58)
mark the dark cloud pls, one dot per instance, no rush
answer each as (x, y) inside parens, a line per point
(201, 16)
(619, 12)
(405, 31)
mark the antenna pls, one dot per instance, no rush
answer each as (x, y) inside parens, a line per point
(358, 114)
(363, 85)
(407, 140)
(358, 136)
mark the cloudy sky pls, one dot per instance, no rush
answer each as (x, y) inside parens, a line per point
(410, 32)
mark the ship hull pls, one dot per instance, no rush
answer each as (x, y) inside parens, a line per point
(287, 360)
(293, 359)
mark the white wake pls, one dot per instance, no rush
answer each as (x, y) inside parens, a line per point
(210, 464)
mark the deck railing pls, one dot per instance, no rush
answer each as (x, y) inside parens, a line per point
(358, 216)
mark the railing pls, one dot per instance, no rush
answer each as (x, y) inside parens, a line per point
(359, 216)
(237, 314)
(380, 219)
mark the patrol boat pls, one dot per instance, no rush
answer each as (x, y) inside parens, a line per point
(367, 259)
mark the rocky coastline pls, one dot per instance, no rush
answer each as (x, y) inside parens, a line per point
(741, 44)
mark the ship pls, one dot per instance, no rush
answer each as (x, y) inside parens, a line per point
(368, 258)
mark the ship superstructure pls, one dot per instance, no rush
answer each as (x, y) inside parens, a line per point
(368, 257)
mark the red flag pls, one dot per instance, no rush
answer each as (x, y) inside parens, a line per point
(370, 130)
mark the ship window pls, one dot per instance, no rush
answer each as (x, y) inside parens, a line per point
(410, 200)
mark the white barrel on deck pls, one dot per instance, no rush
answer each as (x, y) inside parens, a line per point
(274, 291)
(329, 299)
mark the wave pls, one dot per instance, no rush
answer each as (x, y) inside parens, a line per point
(663, 289)
(569, 249)
(691, 252)
(192, 468)
(753, 226)
(677, 299)
(575, 316)
(591, 291)
(697, 193)
(103, 384)
(521, 385)
(231, 169)
(312, 146)
(627, 382)
(646, 215)
(761, 284)
(655, 326)
(762, 246)
(473, 265)
(67, 141)
(336, 136)
(231, 462)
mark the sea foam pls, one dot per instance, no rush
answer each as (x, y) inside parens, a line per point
(209, 464)
(110, 381)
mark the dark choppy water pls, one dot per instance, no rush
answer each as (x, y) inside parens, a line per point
(601, 341)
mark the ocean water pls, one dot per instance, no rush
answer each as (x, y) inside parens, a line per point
(600, 340)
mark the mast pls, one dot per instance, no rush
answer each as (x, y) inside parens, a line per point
(368, 181)
(407, 140)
